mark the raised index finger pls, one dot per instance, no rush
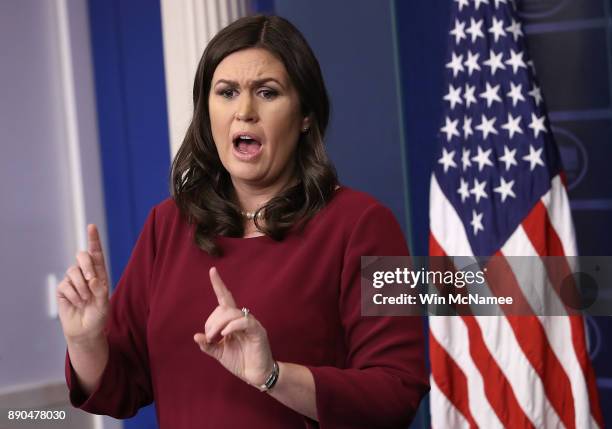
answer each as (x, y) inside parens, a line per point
(224, 296)
(95, 249)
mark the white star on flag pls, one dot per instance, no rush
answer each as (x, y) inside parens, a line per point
(456, 64)
(534, 158)
(491, 94)
(537, 124)
(498, 2)
(516, 60)
(486, 126)
(450, 128)
(453, 96)
(515, 29)
(482, 158)
(458, 31)
(472, 62)
(536, 93)
(463, 190)
(505, 189)
(495, 61)
(532, 66)
(476, 222)
(478, 190)
(468, 94)
(509, 157)
(475, 29)
(465, 158)
(516, 93)
(512, 126)
(497, 29)
(467, 127)
(462, 3)
(447, 159)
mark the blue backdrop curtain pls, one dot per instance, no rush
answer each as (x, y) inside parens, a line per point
(127, 48)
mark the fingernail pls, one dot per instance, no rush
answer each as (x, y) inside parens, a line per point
(88, 276)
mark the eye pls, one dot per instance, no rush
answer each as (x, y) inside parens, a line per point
(268, 93)
(227, 92)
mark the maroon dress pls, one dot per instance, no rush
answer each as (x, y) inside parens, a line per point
(369, 372)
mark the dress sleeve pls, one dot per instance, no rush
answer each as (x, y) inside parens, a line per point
(125, 385)
(384, 377)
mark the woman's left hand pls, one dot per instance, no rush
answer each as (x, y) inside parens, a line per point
(238, 342)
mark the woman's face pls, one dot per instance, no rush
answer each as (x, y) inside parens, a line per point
(255, 117)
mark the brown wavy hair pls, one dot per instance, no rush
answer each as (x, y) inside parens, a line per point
(202, 187)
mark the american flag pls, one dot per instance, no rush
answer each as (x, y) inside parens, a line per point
(498, 189)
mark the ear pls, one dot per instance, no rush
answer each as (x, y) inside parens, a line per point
(306, 124)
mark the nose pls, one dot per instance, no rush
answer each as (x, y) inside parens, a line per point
(246, 110)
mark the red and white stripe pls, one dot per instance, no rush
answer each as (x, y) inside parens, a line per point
(512, 371)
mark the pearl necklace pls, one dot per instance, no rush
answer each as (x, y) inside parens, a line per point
(251, 215)
(248, 215)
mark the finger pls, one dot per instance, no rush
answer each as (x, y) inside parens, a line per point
(214, 350)
(218, 320)
(224, 296)
(77, 279)
(99, 290)
(66, 291)
(236, 325)
(94, 248)
(213, 317)
(86, 265)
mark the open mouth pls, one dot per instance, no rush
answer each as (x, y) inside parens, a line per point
(246, 144)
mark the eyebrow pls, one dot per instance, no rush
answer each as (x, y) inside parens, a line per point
(256, 82)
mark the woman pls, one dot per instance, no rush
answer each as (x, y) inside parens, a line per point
(248, 279)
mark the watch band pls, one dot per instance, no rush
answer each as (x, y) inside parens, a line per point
(271, 380)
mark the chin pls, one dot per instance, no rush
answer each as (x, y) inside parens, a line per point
(246, 173)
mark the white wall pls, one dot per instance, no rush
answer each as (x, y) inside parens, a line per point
(50, 178)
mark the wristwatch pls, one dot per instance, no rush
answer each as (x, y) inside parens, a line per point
(271, 380)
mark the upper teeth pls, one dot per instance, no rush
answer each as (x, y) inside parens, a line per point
(245, 138)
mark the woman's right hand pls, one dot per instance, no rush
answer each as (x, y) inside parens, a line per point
(82, 295)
